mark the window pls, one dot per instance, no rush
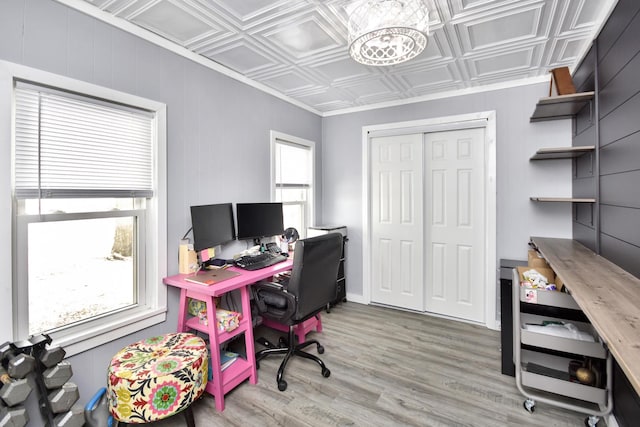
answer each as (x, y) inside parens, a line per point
(89, 212)
(292, 179)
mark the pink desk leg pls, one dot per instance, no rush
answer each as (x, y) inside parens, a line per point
(248, 335)
(214, 345)
(319, 323)
(182, 311)
(307, 326)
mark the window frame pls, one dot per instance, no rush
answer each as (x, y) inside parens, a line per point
(152, 303)
(282, 138)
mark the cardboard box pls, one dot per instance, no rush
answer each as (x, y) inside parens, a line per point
(535, 260)
(187, 259)
(546, 272)
(561, 82)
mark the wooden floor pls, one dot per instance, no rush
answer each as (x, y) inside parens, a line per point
(388, 368)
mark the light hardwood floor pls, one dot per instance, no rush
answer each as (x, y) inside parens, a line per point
(388, 368)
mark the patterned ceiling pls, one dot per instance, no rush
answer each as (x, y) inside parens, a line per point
(298, 48)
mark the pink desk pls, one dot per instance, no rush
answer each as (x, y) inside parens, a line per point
(241, 369)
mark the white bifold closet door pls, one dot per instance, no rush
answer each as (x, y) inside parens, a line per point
(397, 221)
(455, 223)
(427, 219)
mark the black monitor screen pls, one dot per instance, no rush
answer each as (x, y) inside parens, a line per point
(256, 220)
(212, 225)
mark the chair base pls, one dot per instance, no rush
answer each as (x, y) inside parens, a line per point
(292, 350)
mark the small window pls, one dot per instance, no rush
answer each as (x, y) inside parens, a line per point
(87, 190)
(293, 179)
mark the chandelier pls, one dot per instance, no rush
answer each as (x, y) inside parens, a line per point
(387, 32)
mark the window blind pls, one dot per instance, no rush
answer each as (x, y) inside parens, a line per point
(69, 146)
(293, 172)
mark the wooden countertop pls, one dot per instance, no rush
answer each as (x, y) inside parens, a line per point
(608, 295)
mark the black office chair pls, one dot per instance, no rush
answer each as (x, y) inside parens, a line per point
(310, 288)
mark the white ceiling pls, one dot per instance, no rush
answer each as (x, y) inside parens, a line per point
(298, 48)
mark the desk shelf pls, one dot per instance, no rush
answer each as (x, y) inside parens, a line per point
(235, 374)
(193, 323)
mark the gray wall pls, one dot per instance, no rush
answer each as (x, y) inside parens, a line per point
(517, 178)
(615, 60)
(218, 128)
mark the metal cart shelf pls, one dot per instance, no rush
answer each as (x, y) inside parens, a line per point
(544, 357)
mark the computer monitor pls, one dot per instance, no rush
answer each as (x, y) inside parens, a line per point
(257, 220)
(212, 225)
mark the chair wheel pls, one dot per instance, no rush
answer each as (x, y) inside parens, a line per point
(529, 405)
(326, 373)
(282, 385)
(320, 349)
(257, 365)
(282, 342)
(591, 421)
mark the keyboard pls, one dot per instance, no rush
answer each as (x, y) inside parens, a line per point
(262, 260)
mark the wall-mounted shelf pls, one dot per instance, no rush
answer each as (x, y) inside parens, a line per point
(560, 107)
(563, 199)
(562, 152)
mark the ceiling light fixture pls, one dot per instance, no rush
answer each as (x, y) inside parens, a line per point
(387, 32)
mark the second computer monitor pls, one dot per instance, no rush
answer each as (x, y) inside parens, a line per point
(257, 220)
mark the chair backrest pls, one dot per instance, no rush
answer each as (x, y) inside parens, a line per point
(314, 274)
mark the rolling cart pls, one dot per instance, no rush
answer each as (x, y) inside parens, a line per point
(542, 361)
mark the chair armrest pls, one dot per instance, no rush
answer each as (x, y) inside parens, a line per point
(274, 301)
(268, 285)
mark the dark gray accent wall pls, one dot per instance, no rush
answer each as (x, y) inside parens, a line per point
(618, 66)
(615, 60)
(218, 128)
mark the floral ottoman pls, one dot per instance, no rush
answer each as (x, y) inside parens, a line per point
(157, 377)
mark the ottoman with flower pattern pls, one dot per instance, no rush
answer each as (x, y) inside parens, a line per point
(157, 377)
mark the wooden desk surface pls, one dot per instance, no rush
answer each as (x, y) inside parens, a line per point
(607, 294)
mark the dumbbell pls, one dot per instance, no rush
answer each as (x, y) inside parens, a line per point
(72, 418)
(13, 391)
(57, 375)
(13, 417)
(55, 403)
(63, 398)
(18, 365)
(48, 356)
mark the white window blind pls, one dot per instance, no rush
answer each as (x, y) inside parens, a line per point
(292, 165)
(69, 146)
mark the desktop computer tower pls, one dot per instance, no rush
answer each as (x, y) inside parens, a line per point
(341, 282)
